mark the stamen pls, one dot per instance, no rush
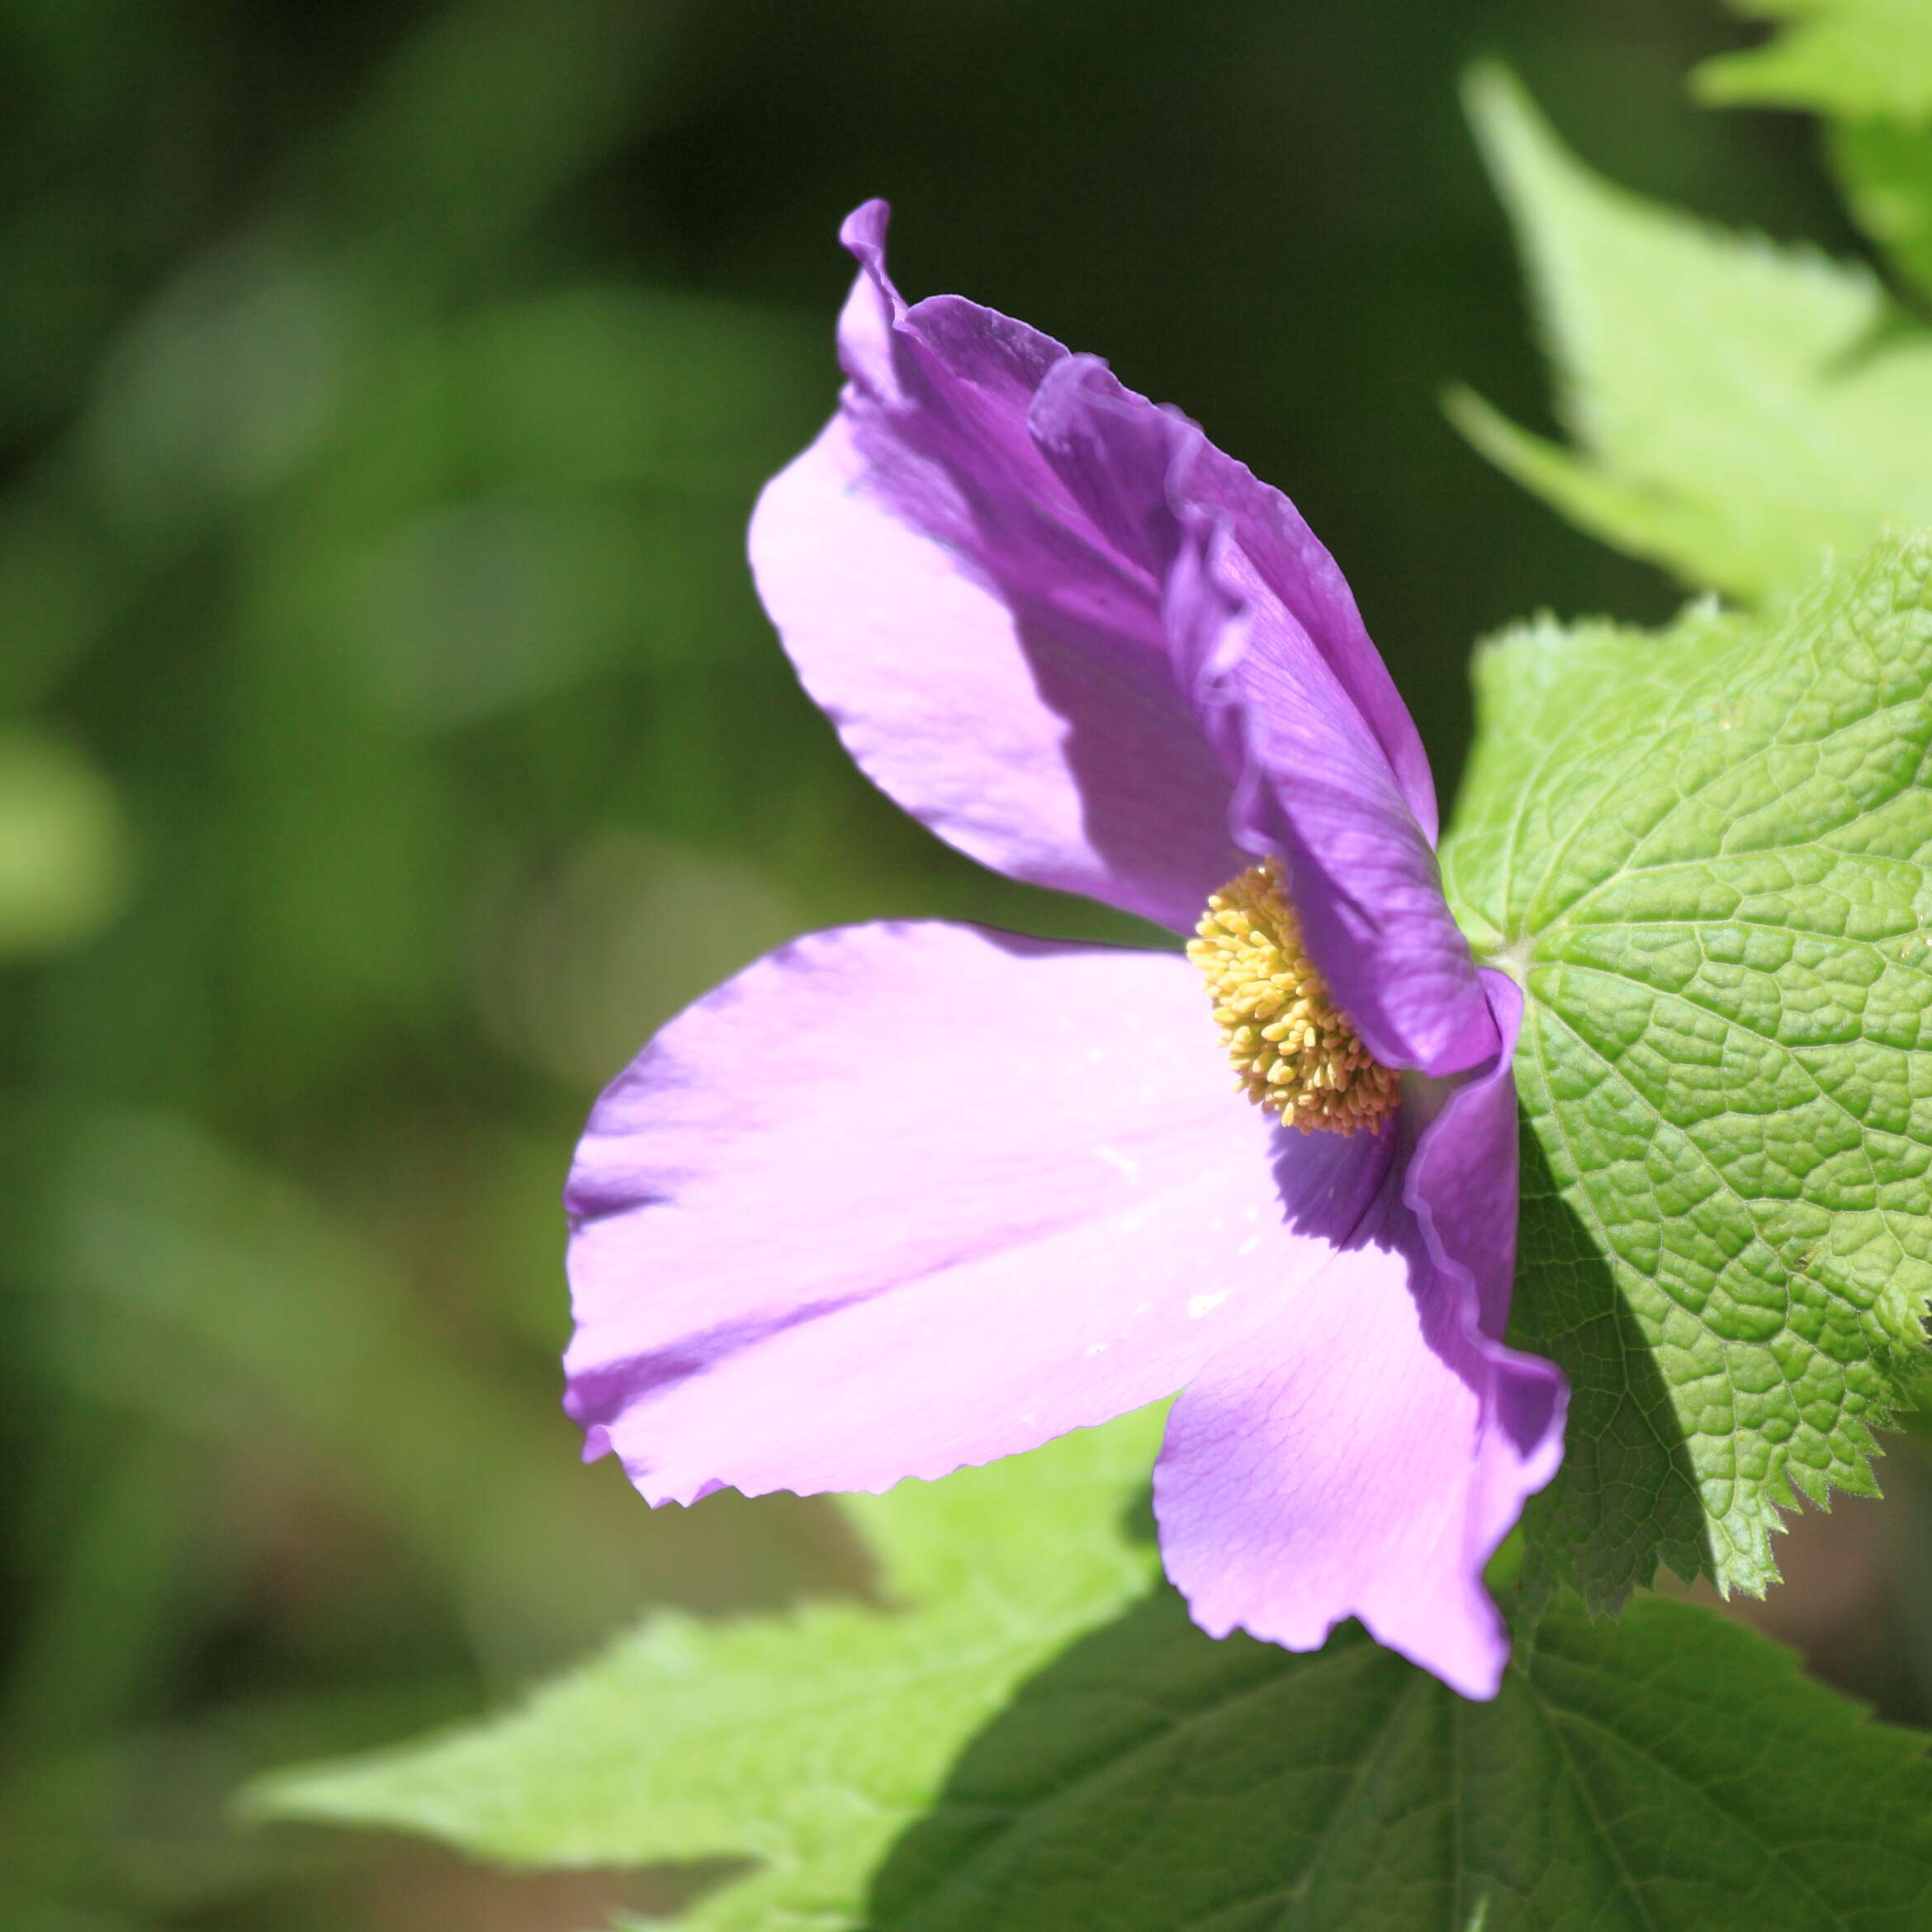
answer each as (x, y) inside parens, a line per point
(1293, 1048)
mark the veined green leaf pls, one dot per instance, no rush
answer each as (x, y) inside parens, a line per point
(1669, 1773)
(1705, 855)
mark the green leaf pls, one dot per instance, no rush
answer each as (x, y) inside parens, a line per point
(806, 1741)
(1705, 856)
(1886, 169)
(1670, 1774)
(1867, 64)
(1856, 59)
(1738, 411)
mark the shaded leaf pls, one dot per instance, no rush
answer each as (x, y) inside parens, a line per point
(1886, 169)
(1669, 1773)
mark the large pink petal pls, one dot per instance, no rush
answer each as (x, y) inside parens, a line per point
(982, 571)
(1317, 788)
(902, 1198)
(1278, 669)
(1144, 475)
(1048, 746)
(1365, 1456)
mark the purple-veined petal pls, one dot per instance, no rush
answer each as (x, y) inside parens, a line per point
(991, 660)
(1367, 1455)
(1093, 652)
(902, 1198)
(1050, 751)
(1148, 476)
(974, 570)
(1313, 782)
(1315, 789)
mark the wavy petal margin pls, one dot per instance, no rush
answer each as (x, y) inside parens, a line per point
(1367, 1458)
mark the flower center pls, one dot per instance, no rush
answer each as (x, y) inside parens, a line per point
(1294, 1049)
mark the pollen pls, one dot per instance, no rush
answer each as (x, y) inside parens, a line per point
(1292, 1047)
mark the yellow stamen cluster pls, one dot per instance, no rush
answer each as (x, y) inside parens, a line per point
(1294, 1049)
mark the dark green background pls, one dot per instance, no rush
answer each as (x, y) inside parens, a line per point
(383, 393)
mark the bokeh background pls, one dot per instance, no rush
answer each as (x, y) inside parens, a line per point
(390, 739)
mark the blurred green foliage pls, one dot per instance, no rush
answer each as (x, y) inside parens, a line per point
(390, 738)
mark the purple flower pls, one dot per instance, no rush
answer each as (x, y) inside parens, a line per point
(903, 1197)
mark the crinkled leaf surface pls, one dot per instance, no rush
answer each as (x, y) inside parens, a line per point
(1740, 409)
(1706, 855)
(1857, 58)
(806, 1742)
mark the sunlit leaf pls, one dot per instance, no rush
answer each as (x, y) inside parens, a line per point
(1707, 855)
(1859, 58)
(1739, 411)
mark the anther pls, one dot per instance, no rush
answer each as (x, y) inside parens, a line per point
(1293, 1048)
